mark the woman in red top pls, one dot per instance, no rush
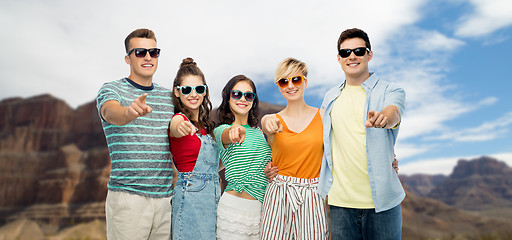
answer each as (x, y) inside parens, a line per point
(197, 190)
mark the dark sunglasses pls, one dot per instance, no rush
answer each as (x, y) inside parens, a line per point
(186, 90)
(360, 51)
(141, 52)
(237, 95)
(297, 80)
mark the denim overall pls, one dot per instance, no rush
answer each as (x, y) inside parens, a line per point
(196, 194)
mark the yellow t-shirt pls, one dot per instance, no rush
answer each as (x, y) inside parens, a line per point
(351, 185)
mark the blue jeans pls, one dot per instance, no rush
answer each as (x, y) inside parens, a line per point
(359, 224)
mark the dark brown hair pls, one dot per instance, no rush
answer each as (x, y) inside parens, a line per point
(226, 116)
(189, 67)
(353, 33)
(138, 33)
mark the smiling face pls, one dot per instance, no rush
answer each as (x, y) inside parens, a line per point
(355, 68)
(142, 69)
(292, 92)
(241, 107)
(193, 100)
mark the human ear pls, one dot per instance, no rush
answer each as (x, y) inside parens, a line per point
(176, 92)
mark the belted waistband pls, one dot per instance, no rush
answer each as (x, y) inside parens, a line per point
(292, 187)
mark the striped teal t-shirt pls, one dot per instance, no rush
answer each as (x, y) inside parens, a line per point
(139, 151)
(245, 162)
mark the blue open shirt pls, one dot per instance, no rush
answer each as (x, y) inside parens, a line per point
(387, 191)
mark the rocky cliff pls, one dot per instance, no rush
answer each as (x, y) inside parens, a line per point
(53, 159)
(483, 184)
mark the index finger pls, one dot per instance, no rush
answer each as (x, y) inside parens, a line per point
(242, 138)
(371, 113)
(276, 124)
(142, 98)
(191, 127)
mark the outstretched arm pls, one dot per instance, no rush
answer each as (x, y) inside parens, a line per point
(114, 113)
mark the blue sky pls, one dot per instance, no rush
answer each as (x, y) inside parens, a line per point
(451, 57)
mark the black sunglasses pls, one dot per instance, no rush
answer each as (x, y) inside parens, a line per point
(141, 52)
(237, 95)
(186, 90)
(297, 80)
(360, 51)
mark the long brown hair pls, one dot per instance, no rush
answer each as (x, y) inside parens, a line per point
(226, 116)
(189, 67)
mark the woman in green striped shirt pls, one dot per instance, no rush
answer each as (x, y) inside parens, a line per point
(244, 153)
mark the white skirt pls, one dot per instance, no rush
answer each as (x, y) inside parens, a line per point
(238, 218)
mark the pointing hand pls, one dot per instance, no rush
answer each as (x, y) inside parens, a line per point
(138, 107)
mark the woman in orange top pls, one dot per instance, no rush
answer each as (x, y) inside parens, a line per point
(292, 208)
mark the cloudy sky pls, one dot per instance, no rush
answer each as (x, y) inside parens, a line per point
(450, 56)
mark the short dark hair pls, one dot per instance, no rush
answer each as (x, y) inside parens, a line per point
(138, 33)
(224, 111)
(353, 33)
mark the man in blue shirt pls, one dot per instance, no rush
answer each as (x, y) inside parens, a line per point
(362, 118)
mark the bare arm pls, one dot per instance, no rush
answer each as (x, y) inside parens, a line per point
(114, 113)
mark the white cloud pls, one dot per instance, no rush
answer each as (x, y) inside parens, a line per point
(69, 49)
(487, 17)
(429, 166)
(489, 130)
(435, 41)
(407, 150)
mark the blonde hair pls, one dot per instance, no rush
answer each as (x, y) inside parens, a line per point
(289, 66)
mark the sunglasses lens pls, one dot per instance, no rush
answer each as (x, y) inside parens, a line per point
(200, 89)
(360, 51)
(297, 80)
(344, 52)
(154, 52)
(249, 96)
(186, 90)
(236, 95)
(283, 82)
(140, 52)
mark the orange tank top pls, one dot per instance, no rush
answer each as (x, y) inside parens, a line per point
(299, 154)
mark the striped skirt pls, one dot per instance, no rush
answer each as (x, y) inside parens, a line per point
(292, 209)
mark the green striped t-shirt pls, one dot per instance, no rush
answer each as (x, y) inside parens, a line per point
(139, 151)
(245, 162)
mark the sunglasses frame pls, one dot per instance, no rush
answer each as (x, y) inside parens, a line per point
(244, 94)
(288, 80)
(138, 52)
(344, 51)
(193, 88)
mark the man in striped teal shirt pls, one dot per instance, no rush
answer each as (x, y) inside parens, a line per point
(135, 114)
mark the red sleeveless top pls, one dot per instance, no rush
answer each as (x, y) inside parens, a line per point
(185, 150)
